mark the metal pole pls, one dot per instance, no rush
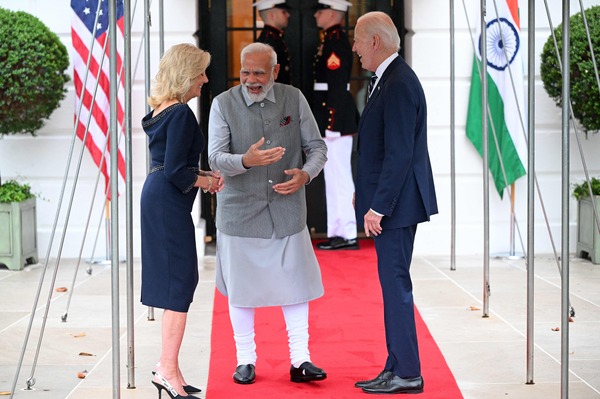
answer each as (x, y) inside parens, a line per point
(129, 196)
(114, 191)
(161, 27)
(566, 101)
(452, 142)
(530, 188)
(148, 78)
(512, 253)
(486, 177)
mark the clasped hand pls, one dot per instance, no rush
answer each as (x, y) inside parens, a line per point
(217, 182)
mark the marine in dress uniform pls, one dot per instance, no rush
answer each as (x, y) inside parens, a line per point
(275, 14)
(337, 117)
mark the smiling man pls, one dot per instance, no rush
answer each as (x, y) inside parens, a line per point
(394, 191)
(259, 132)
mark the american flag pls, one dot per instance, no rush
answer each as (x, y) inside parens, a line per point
(97, 101)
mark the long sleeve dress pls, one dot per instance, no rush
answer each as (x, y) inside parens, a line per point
(169, 258)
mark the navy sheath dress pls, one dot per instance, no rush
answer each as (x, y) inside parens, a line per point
(169, 258)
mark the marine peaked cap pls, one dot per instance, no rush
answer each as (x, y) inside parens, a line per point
(339, 5)
(268, 4)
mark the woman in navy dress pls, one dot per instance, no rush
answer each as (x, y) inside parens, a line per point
(169, 259)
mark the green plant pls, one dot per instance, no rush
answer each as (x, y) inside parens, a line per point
(584, 88)
(33, 62)
(581, 191)
(13, 191)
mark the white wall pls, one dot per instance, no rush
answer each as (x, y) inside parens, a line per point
(42, 160)
(428, 51)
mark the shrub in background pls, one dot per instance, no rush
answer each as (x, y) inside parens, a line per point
(585, 95)
(33, 62)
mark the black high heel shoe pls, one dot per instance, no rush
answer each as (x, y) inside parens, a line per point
(186, 388)
(191, 389)
(168, 388)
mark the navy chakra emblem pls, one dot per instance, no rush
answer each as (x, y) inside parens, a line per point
(503, 43)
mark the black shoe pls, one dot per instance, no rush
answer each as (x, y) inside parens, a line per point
(307, 372)
(397, 385)
(338, 243)
(384, 375)
(191, 389)
(164, 385)
(244, 374)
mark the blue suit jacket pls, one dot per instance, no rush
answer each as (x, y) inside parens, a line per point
(394, 171)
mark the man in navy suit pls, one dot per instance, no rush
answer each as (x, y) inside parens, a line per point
(394, 191)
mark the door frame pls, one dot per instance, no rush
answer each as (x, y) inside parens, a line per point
(212, 35)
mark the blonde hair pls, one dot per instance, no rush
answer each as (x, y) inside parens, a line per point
(380, 24)
(178, 68)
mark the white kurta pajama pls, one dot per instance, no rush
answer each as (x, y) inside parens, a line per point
(258, 272)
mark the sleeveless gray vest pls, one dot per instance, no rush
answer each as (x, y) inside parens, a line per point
(248, 206)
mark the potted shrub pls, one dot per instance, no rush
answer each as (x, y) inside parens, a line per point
(585, 100)
(18, 242)
(33, 64)
(588, 236)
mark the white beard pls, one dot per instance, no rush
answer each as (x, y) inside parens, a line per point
(265, 90)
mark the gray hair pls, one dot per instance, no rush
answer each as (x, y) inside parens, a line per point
(380, 24)
(259, 47)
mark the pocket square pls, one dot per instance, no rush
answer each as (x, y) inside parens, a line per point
(286, 120)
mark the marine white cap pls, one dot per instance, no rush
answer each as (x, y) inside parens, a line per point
(268, 4)
(339, 5)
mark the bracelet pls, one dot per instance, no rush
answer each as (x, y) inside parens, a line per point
(205, 190)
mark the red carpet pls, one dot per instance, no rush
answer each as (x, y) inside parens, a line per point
(346, 339)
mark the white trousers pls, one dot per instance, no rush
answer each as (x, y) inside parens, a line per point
(339, 186)
(296, 320)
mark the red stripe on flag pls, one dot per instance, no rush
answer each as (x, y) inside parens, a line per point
(98, 138)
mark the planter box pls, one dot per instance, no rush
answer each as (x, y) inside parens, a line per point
(18, 240)
(588, 237)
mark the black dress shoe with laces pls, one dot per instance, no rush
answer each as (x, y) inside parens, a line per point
(397, 385)
(244, 374)
(307, 372)
(338, 243)
(384, 375)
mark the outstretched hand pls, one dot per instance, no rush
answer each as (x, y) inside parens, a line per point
(299, 179)
(257, 157)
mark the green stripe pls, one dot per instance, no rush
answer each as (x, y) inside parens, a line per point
(512, 164)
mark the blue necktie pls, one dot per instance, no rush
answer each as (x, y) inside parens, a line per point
(371, 85)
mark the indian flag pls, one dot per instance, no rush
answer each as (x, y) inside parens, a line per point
(506, 95)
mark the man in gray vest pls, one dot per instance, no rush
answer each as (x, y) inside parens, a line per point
(258, 133)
